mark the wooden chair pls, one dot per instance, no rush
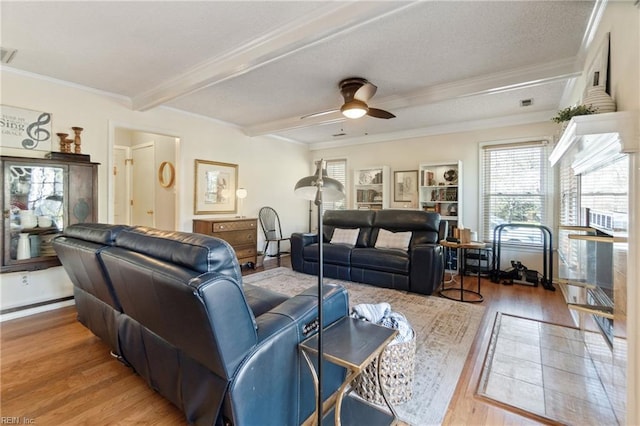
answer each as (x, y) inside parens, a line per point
(270, 222)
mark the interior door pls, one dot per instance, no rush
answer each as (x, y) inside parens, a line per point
(120, 176)
(143, 185)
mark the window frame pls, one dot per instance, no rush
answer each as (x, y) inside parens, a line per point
(329, 205)
(548, 183)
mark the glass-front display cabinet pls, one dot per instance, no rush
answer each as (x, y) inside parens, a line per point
(40, 198)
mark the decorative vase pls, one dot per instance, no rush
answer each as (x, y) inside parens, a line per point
(599, 99)
(34, 241)
(24, 247)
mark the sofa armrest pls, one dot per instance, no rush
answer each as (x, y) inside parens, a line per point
(298, 242)
(302, 309)
(274, 380)
(427, 264)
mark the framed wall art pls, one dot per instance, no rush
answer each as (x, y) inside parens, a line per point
(25, 129)
(405, 186)
(215, 187)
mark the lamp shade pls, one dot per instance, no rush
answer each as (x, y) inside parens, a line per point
(354, 109)
(241, 193)
(307, 187)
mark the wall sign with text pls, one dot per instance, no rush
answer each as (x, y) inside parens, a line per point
(25, 129)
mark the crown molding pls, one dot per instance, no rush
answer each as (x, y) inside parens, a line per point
(448, 128)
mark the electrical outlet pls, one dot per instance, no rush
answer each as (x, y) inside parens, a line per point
(25, 279)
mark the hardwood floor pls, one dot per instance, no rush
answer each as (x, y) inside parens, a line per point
(54, 371)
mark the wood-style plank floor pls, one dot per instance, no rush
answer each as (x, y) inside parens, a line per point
(56, 372)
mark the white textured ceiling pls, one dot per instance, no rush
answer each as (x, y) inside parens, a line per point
(438, 65)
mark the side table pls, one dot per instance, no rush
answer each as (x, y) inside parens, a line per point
(353, 344)
(458, 294)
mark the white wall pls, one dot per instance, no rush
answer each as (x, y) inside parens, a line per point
(268, 168)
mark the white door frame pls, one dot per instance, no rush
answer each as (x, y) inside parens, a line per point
(127, 178)
(111, 133)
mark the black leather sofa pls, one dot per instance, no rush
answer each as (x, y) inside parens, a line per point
(417, 268)
(173, 306)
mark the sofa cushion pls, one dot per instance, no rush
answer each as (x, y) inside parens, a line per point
(335, 254)
(425, 226)
(393, 240)
(345, 236)
(387, 260)
(349, 219)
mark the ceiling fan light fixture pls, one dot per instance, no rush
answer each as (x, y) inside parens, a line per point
(354, 109)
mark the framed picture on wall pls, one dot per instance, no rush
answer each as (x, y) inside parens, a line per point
(405, 185)
(215, 187)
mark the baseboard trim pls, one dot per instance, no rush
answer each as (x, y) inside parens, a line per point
(35, 308)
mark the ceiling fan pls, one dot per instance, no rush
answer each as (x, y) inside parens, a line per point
(356, 92)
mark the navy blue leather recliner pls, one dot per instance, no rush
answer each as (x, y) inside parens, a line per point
(417, 269)
(173, 306)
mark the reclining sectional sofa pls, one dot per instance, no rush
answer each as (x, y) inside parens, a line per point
(173, 306)
(388, 248)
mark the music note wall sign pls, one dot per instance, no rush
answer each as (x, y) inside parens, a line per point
(25, 129)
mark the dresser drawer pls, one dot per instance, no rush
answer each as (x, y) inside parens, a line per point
(233, 226)
(237, 237)
(246, 252)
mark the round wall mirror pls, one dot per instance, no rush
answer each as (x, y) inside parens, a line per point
(166, 174)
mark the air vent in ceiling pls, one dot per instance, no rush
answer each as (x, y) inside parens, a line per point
(526, 102)
(7, 55)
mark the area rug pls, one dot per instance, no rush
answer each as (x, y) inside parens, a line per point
(545, 370)
(444, 330)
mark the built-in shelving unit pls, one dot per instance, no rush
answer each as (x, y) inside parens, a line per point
(371, 188)
(440, 190)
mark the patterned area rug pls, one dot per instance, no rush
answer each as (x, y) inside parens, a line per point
(444, 330)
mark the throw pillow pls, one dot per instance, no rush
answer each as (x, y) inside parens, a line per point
(395, 240)
(345, 236)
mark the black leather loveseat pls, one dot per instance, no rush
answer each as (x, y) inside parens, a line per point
(410, 257)
(173, 306)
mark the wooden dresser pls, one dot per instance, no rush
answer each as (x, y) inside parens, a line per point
(242, 234)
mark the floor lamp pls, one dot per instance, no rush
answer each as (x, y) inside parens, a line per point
(320, 188)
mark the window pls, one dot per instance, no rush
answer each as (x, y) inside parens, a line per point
(515, 189)
(337, 169)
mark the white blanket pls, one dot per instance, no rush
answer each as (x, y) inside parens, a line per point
(382, 314)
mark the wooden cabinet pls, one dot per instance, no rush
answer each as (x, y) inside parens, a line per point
(40, 198)
(371, 188)
(241, 234)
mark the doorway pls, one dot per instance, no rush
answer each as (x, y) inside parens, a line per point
(138, 197)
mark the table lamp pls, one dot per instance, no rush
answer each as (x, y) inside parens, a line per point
(241, 193)
(319, 188)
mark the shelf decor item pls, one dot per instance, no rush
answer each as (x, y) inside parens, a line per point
(451, 176)
(599, 100)
(24, 247)
(77, 140)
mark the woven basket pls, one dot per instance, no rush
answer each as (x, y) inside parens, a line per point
(396, 374)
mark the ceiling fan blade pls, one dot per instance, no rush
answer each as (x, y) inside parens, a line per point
(379, 113)
(318, 114)
(365, 92)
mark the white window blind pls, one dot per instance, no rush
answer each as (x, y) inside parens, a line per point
(605, 189)
(515, 189)
(337, 169)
